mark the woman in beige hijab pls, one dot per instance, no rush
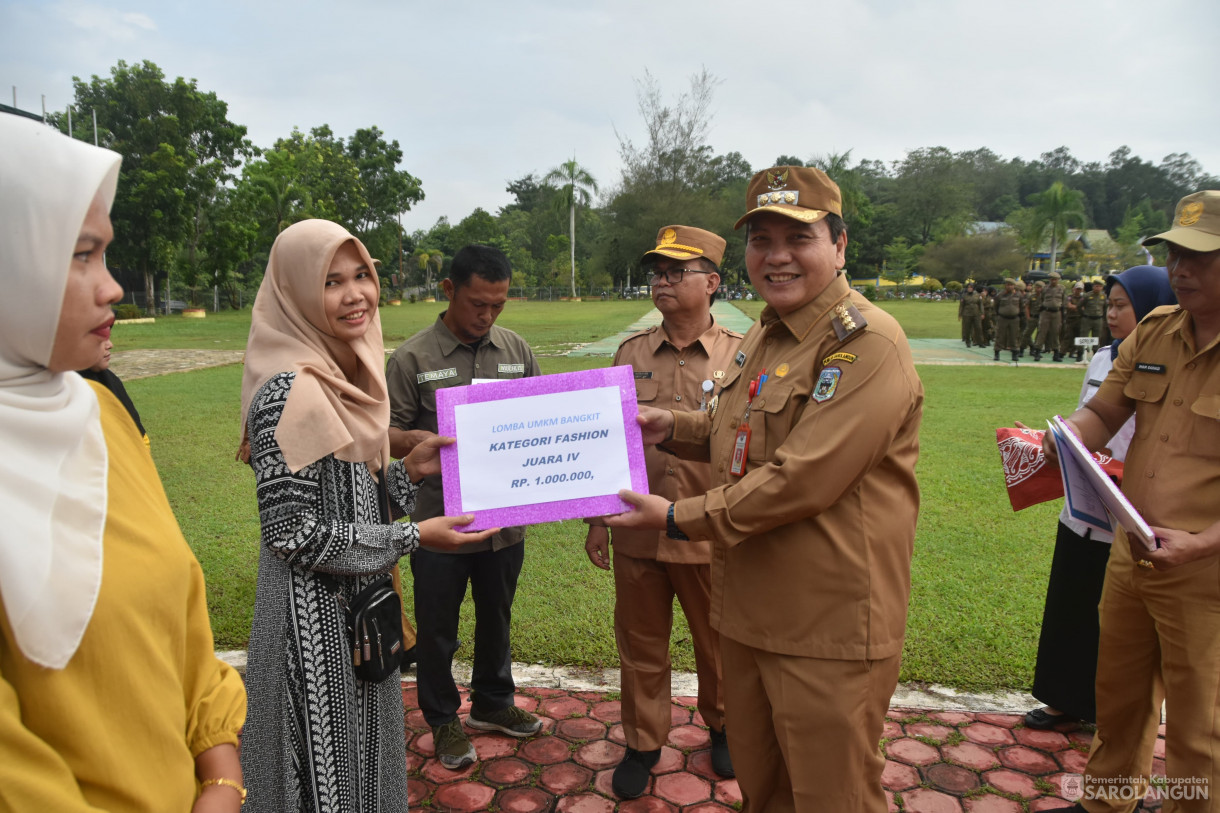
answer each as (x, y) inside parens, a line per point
(111, 696)
(317, 417)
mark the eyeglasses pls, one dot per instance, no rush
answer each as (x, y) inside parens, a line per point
(674, 275)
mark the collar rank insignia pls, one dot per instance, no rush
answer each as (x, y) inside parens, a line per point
(740, 358)
(778, 180)
(847, 320)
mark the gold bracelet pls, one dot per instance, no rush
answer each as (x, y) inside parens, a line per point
(228, 783)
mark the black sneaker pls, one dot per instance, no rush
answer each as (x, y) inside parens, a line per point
(512, 721)
(630, 778)
(453, 748)
(722, 763)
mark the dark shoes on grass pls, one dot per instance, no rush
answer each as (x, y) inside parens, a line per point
(631, 776)
(1043, 720)
(722, 763)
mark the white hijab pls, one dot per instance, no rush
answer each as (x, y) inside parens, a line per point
(53, 455)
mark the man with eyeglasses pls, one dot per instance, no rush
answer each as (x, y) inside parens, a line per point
(812, 509)
(676, 365)
(1160, 609)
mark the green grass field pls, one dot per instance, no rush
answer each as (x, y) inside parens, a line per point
(979, 572)
(549, 327)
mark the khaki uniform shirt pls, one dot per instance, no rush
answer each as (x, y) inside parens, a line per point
(1008, 305)
(1093, 305)
(672, 379)
(813, 544)
(433, 359)
(1054, 298)
(1172, 470)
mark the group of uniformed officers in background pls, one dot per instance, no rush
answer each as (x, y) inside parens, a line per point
(1042, 318)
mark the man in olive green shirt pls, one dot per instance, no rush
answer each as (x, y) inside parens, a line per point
(463, 344)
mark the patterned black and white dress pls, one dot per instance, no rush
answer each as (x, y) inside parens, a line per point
(316, 738)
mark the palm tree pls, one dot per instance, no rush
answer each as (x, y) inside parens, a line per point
(1055, 210)
(436, 261)
(576, 185)
(421, 260)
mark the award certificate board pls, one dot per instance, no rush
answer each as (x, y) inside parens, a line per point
(1091, 494)
(541, 449)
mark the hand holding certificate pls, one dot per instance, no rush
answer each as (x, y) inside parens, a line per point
(1091, 495)
(541, 449)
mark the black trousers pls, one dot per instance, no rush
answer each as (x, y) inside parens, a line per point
(1067, 649)
(440, 587)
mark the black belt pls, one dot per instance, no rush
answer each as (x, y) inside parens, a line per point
(1051, 310)
(1002, 316)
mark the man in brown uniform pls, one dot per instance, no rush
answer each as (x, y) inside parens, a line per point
(1160, 610)
(1092, 315)
(1070, 326)
(1033, 302)
(1008, 316)
(1054, 298)
(673, 363)
(970, 314)
(812, 510)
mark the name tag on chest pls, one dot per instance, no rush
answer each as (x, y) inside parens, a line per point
(436, 375)
(1145, 367)
(519, 369)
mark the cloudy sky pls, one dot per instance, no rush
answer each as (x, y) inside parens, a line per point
(479, 93)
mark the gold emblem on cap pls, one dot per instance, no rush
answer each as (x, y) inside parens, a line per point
(789, 197)
(845, 317)
(668, 236)
(782, 370)
(777, 180)
(1191, 213)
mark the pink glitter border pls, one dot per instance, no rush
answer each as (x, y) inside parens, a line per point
(450, 397)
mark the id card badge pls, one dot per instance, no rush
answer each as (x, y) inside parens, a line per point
(741, 448)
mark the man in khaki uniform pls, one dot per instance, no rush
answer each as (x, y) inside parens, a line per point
(1092, 315)
(970, 314)
(1054, 298)
(672, 362)
(1160, 609)
(1008, 316)
(1070, 326)
(812, 509)
(988, 294)
(1033, 304)
(462, 344)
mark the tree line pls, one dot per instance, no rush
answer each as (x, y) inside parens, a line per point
(200, 204)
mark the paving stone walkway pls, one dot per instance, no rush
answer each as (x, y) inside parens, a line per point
(936, 762)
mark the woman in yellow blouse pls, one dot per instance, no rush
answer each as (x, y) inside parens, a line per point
(111, 697)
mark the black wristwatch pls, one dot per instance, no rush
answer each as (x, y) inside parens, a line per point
(671, 527)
